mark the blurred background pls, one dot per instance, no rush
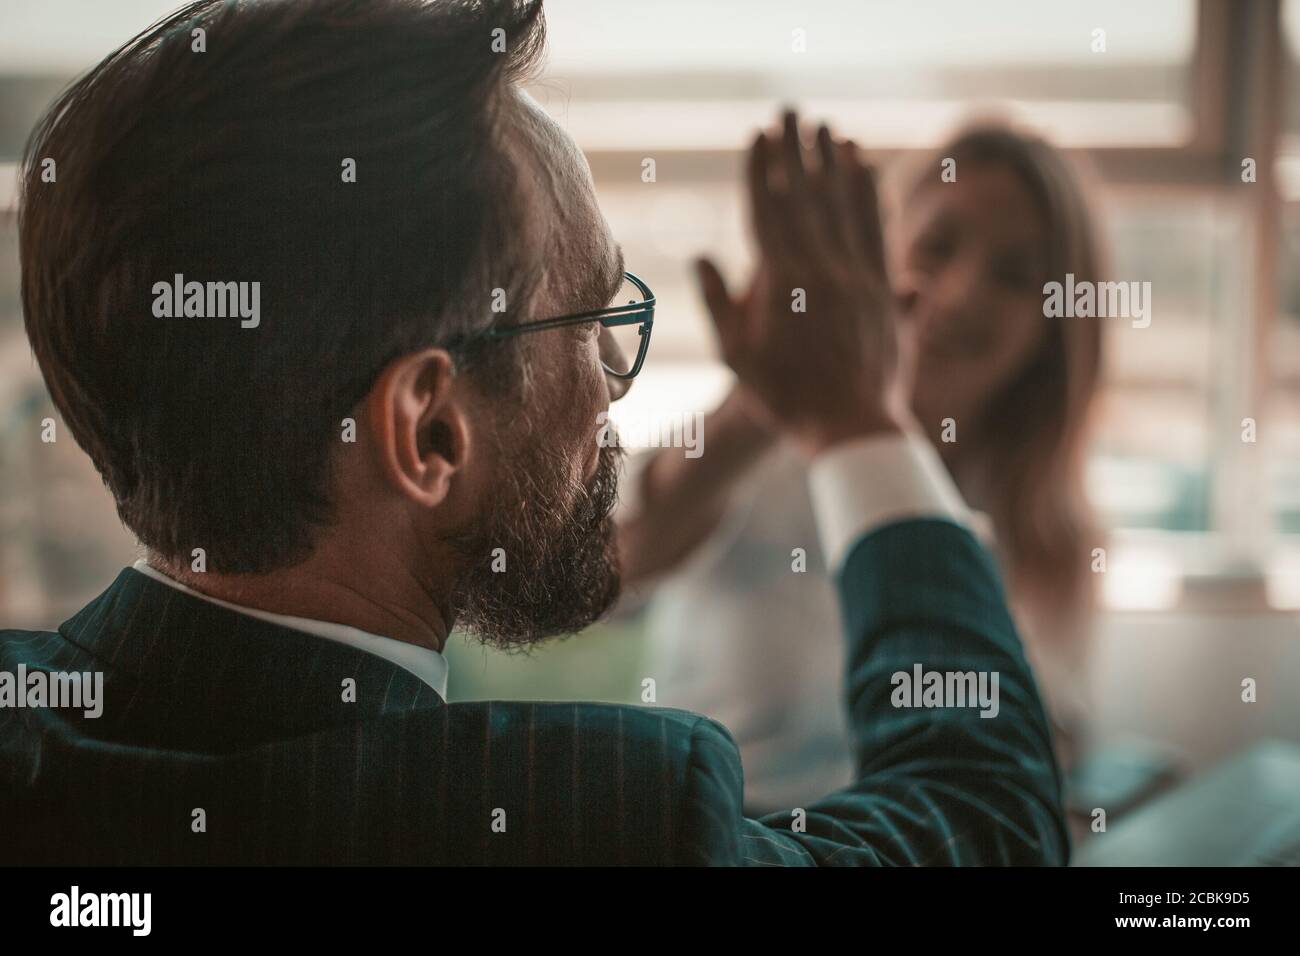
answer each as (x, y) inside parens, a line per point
(1204, 563)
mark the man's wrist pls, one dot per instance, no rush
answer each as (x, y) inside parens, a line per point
(817, 440)
(859, 486)
(739, 418)
(879, 416)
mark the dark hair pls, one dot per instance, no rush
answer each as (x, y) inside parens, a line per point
(227, 165)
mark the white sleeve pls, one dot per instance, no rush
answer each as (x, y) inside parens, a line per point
(861, 485)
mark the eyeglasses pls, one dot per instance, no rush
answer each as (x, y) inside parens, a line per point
(625, 329)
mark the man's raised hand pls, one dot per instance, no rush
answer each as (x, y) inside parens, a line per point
(814, 338)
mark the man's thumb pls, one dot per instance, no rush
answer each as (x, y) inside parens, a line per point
(716, 297)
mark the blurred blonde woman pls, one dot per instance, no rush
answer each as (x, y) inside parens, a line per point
(1003, 393)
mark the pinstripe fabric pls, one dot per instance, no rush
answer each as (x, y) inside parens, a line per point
(209, 709)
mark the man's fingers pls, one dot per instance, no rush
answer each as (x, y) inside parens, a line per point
(713, 286)
(792, 155)
(835, 196)
(719, 302)
(866, 208)
(802, 202)
(826, 151)
(727, 314)
(762, 203)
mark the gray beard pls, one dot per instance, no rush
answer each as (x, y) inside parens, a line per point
(557, 545)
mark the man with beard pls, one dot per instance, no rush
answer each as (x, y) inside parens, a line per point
(387, 454)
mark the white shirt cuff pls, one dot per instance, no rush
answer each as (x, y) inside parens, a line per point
(862, 485)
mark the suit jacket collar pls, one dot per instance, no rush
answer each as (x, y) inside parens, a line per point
(201, 673)
(424, 662)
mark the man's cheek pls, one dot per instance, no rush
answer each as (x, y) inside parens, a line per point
(590, 451)
(592, 397)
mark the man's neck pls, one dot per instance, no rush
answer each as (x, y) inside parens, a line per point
(388, 604)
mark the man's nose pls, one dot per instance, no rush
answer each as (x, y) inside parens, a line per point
(611, 355)
(618, 387)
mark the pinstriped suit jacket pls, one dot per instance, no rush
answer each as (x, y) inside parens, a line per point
(208, 709)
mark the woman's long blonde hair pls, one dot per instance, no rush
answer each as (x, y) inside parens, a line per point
(1030, 459)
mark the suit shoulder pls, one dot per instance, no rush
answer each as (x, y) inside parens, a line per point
(19, 636)
(18, 645)
(676, 773)
(680, 752)
(666, 730)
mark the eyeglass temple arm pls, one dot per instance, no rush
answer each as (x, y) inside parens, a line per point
(632, 308)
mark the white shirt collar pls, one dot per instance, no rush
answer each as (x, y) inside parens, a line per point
(424, 662)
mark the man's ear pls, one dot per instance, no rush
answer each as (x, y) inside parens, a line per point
(421, 429)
